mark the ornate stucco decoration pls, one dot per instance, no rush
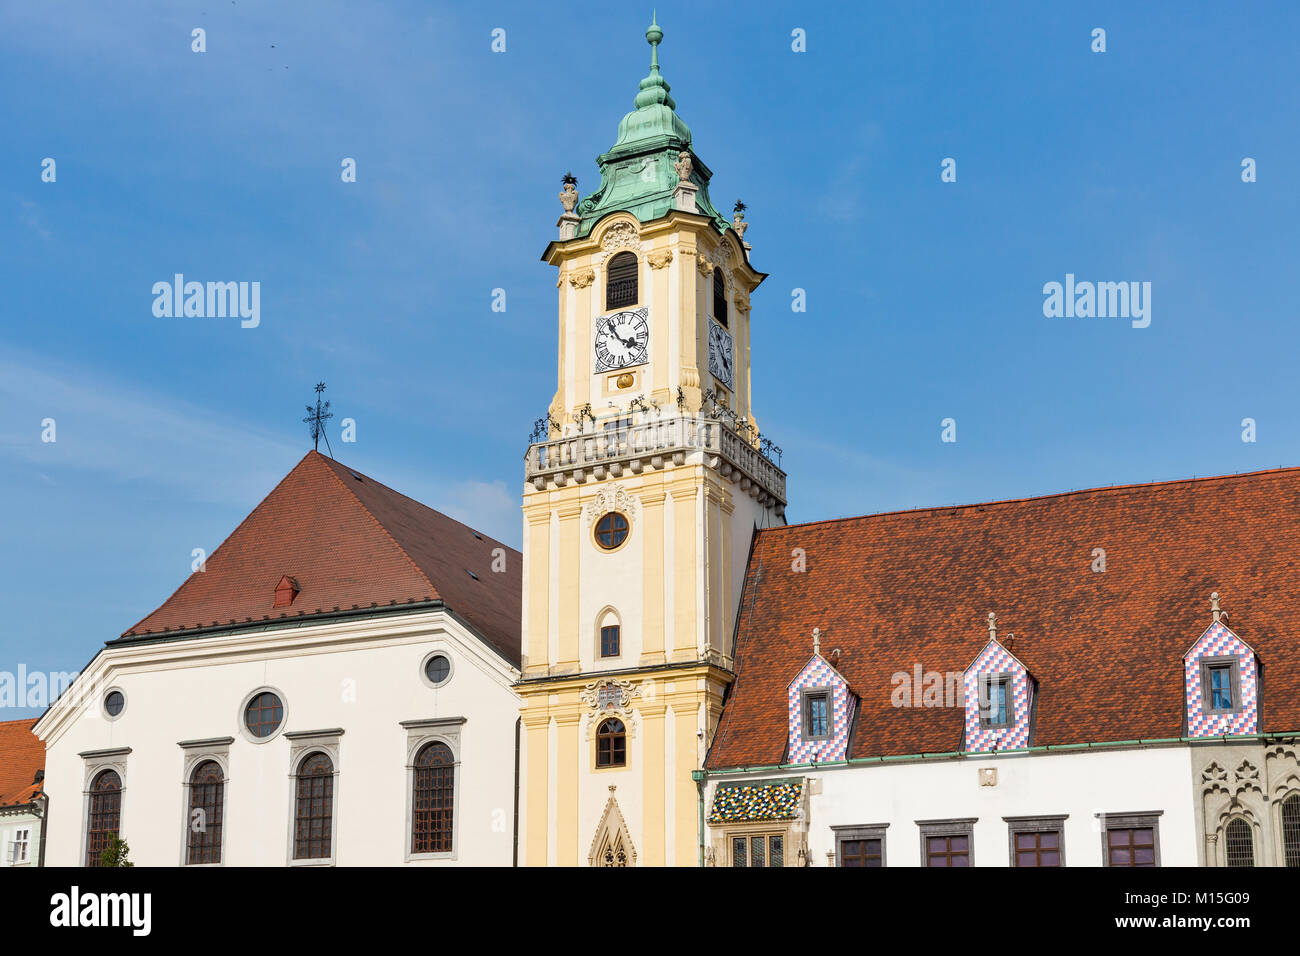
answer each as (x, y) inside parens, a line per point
(611, 498)
(581, 278)
(659, 258)
(742, 303)
(621, 235)
(610, 697)
(703, 263)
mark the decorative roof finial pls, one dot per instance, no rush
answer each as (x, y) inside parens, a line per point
(1215, 613)
(654, 88)
(817, 641)
(993, 626)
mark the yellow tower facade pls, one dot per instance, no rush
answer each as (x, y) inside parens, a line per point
(643, 487)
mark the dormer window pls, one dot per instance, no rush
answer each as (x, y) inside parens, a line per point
(996, 709)
(285, 591)
(1221, 685)
(620, 281)
(817, 714)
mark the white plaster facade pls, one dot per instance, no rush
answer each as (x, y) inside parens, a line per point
(362, 676)
(1081, 785)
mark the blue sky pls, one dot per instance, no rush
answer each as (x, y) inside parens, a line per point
(924, 298)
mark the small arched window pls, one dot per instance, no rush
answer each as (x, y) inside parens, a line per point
(432, 799)
(620, 282)
(1291, 829)
(105, 817)
(1239, 843)
(207, 810)
(611, 743)
(719, 298)
(313, 824)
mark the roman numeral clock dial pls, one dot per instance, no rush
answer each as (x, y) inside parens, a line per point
(622, 340)
(721, 363)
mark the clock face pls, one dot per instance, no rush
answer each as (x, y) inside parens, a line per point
(622, 340)
(721, 364)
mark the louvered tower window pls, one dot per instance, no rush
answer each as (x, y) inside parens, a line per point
(620, 284)
(719, 298)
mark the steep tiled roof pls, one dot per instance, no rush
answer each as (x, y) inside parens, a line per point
(21, 756)
(349, 543)
(895, 590)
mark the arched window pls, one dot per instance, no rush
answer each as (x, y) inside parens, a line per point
(611, 744)
(620, 282)
(719, 298)
(1291, 829)
(432, 802)
(207, 812)
(1239, 843)
(105, 817)
(313, 823)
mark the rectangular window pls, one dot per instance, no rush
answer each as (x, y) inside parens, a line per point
(21, 846)
(761, 850)
(1220, 685)
(862, 853)
(1131, 839)
(609, 641)
(1038, 848)
(860, 845)
(1037, 841)
(996, 709)
(947, 851)
(947, 842)
(817, 715)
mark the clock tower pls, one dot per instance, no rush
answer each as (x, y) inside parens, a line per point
(644, 483)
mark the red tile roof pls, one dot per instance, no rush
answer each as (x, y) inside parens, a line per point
(21, 756)
(348, 542)
(895, 590)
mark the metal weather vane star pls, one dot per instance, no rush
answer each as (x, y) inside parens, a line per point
(316, 418)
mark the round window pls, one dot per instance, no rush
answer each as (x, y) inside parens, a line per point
(264, 714)
(114, 703)
(611, 530)
(437, 668)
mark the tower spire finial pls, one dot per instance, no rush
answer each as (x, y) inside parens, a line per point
(654, 88)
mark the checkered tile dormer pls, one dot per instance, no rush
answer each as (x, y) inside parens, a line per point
(817, 673)
(996, 659)
(1218, 641)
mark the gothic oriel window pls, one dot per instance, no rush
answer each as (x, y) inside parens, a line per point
(719, 298)
(611, 743)
(620, 283)
(432, 801)
(1239, 843)
(1291, 829)
(105, 817)
(207, 812)
(313, 823)
(757, 851)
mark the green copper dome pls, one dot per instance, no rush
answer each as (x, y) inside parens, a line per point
(637, 173)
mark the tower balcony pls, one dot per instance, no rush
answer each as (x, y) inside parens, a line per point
(653, 445)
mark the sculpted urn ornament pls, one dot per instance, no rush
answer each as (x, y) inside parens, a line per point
(739, 223)
(569, 197)
(568, 222)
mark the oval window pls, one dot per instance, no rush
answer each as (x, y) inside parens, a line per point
(114, 703)
(611, 530)
(438, 669)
